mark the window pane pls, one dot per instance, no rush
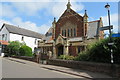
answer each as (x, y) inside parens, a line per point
(68, 33)
(71, 33)
(79, 49)
(74, 32)
(62, 33)
(65, 33)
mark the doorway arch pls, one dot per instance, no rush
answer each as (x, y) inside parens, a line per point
(60, 49)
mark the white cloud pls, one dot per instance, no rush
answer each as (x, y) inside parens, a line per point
(7, 10)
(30, 25)
(77, 6)
(4, 21)
(29, 8)
(32, 8)
(0, 9)
(59, 0)
(59, 7)
(27, 25)
(43, 28)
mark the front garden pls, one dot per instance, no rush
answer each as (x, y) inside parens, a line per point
(98, 52)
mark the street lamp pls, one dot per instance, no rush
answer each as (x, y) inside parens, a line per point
(107, 6)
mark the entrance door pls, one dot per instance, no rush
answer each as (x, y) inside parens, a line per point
(60, 50)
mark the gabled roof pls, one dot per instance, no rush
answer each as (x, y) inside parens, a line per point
(48, 35)
(93, 29)
(71, 12)
(21, 31)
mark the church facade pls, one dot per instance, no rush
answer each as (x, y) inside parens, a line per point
(70, 34)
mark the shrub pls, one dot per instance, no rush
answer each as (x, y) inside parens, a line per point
(25, 51)
(13, 48)
(66, 57)
(100, 52)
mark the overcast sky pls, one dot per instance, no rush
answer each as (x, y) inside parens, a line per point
(38, 16)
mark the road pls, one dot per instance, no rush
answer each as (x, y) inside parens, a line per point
(12, 69)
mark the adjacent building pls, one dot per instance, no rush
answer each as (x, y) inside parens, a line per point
(70, 34)
(14, 33)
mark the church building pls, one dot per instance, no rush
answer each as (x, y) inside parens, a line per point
(70, 34)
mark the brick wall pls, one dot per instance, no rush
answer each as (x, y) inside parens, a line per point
(90, 66)
(72, 17)
(72, 51)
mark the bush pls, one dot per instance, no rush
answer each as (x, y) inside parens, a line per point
(25, 51)
(100, 52)
(66, 57)
(82, 56)
(13, 48)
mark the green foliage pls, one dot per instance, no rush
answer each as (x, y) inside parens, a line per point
(18, 49)
(25, 51)
(13, 48)
(66, 57)
(100, 52)
(82, 56)
(116, 50)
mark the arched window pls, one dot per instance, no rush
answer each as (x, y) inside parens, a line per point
(62, 33)
(71, 33)
(68, 32)
(79, 49)
(65, 33)
(74, 32)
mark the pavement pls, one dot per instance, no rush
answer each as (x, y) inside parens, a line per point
(76, 72)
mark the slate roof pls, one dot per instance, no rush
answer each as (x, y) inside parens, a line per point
(93, 28)
(75, 39)
(48, 35)
(21, 31)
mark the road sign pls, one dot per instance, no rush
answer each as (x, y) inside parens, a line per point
(116, 35)
(110, 44)
(105, 28)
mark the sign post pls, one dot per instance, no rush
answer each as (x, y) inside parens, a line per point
(106, 28)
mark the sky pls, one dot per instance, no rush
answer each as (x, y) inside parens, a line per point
(38, 15)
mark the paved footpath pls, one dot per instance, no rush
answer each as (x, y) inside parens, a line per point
(77, 72)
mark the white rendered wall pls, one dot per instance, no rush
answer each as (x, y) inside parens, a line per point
(4, 31)
(30, 41)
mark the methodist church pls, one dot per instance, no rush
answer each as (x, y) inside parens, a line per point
(70, 34)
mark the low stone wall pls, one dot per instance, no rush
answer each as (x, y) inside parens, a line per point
(90, 66)
(25, 58)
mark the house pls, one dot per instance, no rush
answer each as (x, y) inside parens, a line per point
(13, 33)
(3, 44)
(70, 34)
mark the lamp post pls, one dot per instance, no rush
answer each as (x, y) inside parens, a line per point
(107, 6)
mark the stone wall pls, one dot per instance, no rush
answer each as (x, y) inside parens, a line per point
(25, 58)
(90, 66)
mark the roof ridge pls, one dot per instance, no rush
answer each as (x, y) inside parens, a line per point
(94, 21)
(22, 28)
(22, 31)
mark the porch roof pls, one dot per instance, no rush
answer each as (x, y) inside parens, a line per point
(4, 42)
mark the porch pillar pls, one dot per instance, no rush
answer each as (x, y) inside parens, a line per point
(54, 51)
